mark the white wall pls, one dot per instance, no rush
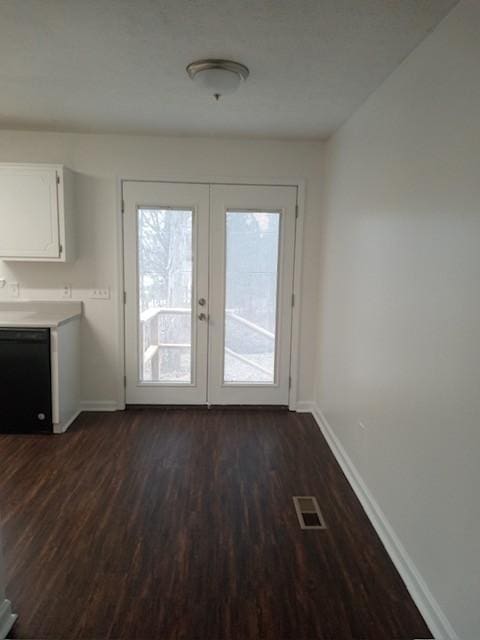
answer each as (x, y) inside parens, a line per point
(98, 161)
(399, 323)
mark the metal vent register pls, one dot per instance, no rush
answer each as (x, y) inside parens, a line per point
(308, 512)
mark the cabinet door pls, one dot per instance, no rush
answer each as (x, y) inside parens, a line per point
(29, 221)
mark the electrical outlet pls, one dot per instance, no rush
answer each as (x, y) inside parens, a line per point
(3, 283)
(67, 291)
(13, 289)
(100, 294)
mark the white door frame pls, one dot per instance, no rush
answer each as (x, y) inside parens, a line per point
(297, 272)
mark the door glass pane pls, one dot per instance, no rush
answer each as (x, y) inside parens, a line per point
(165, 295)
(252, 241)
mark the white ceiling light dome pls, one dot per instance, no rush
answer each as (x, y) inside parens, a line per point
(218, 77)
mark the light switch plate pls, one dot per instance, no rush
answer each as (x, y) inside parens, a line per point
(100, 294)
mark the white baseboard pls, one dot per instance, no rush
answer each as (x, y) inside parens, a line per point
(416, 585)
(7, 618)
(305, 406)
(98, 405)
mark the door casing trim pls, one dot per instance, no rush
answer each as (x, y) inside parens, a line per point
(299, 183)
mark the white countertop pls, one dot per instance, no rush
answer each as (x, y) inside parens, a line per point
(50, 314)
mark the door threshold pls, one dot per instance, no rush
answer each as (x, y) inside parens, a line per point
(206, 407)
(166, 407)
(250, 407)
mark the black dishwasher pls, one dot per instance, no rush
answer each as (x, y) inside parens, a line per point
(25, 381)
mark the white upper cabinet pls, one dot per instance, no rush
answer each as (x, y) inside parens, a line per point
(36, 213)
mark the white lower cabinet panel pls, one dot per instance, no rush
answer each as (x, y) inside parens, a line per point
(65, 353)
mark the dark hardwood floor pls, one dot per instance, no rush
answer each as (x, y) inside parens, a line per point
(153, 524)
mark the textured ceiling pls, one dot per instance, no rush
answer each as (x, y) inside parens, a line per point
(119, 65)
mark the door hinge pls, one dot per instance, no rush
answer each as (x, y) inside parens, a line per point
(58, 179)
(289, 382)
(123, 205)
(293, 299)
(125, 381)
(60, 248)
(296, 211)
(124, 297)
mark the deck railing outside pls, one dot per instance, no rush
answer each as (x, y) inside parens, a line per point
(152, 346)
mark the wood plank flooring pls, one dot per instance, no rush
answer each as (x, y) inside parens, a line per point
(150, 524)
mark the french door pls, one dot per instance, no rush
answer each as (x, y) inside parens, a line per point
(208, 282)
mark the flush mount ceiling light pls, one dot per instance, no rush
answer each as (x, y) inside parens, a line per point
(218, 77)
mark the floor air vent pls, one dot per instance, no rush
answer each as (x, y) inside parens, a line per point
(308, 512)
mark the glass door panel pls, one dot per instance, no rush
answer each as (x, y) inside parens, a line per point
(251, 277)
(165, 277)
